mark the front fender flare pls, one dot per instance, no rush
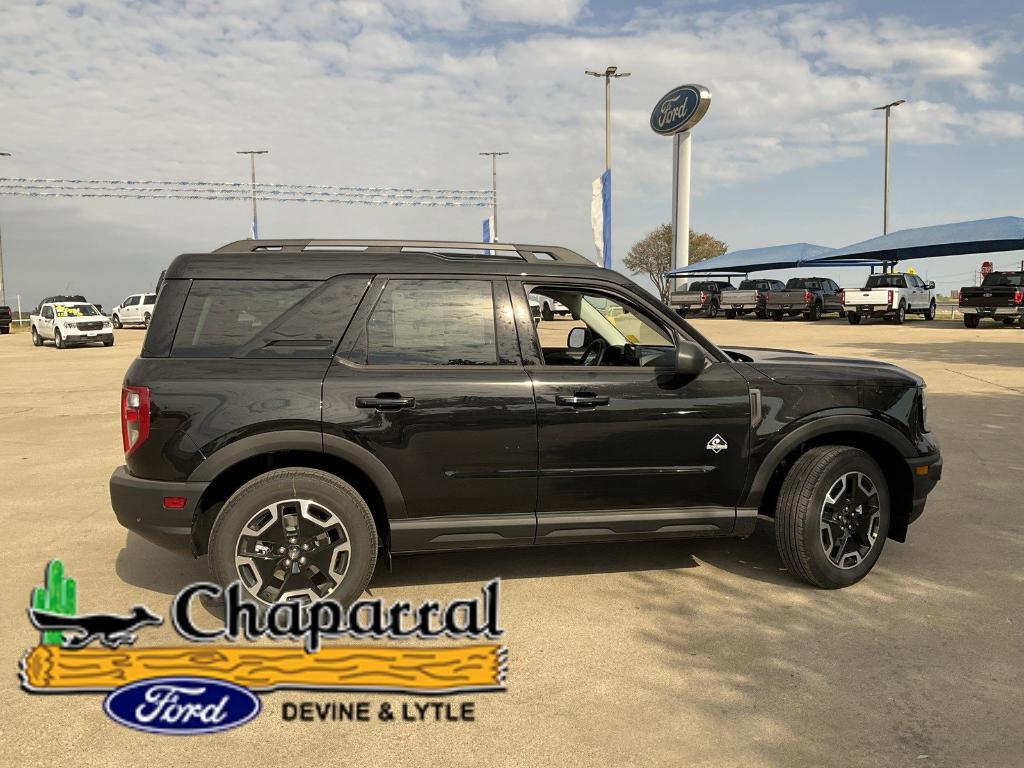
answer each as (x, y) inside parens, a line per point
(823, 425)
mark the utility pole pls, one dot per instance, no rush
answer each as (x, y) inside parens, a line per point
(494, 189)
(255, 234)
(885, 195)
(3, 287)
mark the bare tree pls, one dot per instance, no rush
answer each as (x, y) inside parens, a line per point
(652, 256)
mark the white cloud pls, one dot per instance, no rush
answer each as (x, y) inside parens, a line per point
(406, 92)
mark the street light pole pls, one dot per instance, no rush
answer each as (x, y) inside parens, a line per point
(608, 74)
(494, 189)
(3, 286)
(885, 194)
(252, 162)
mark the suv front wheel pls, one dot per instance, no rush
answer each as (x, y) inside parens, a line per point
(295, 534)
(832, 516)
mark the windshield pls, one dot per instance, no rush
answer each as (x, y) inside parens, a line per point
(886, 281)
(1015, 279)
(75, 310)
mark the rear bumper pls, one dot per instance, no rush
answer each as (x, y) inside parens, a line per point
(993, 311)
(927, 471)
(139, 506)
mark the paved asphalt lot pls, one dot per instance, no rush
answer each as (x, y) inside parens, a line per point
(675, 653)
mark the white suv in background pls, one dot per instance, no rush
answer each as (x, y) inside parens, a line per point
(136, 309)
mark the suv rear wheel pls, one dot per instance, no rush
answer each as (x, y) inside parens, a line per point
(832, 516)
(295, 534)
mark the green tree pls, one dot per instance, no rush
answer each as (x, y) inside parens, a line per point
(652, 255)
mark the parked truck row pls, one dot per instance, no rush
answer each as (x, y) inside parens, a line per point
(889, 296)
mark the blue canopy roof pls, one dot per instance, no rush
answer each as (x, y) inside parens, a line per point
(981, 236)
(756, 259)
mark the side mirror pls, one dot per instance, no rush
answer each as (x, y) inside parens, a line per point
(689, 359)
(577, 338)
(930, 286)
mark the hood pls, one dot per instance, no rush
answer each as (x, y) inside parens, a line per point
(787, 366)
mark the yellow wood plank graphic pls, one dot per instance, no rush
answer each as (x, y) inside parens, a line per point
(351, 668)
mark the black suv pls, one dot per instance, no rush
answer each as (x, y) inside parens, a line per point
(300, 407)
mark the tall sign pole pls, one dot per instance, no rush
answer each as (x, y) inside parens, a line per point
(674, 115)
(255, 234)
(601, 206)
(494, 192)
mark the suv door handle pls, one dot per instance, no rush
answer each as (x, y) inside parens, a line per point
(386, 401)
(582, 400)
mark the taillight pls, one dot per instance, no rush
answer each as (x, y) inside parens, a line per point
(842, 296)
(1018, 297)
(808, 297)
(961, 299)
(134, 417)
(757, 295)
(890, 297)
(703, 297)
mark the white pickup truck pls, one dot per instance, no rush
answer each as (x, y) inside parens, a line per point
(891, 296)
(137, 309)
(67, 323)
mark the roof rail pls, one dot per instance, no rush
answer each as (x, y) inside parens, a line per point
(442, 249)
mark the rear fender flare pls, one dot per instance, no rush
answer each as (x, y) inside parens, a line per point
(304, 440)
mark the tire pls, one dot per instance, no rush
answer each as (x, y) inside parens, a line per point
(108, 343)
(730, 314)
(1009, 320)
(930, 313)
(760, 314)
(712, 310)
(806, 542)
(815, 313)
(37, 340)
(270, 492)
(58, 340)
(842, 313)
(901, 314)
(145, 320)
(853, 318)
(971, 321)
(777, 315)
(116, 321)
(5, 329)
(545, 312)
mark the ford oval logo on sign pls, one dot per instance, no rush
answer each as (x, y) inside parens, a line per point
(680, 109)
(182, 705)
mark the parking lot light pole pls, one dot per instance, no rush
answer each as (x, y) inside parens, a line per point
(3, 287)
(494, 189)
(885, 195)
(255, 235)
(608, 74)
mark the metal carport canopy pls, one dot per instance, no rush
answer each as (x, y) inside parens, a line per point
(755, 260)
(963, 237)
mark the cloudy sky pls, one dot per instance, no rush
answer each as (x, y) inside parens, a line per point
(405, 93)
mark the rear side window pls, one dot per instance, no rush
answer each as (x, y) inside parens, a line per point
(266, 318)
(150, 298)
(433, 322)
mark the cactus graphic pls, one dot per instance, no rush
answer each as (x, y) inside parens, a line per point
(59, 595)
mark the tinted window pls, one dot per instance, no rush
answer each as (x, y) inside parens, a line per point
(886, 281)
(150, 298)
(1003, 278)
(433, 322)
(222, 316)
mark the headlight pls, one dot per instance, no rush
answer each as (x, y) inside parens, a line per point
(924, 408)
(106, 325)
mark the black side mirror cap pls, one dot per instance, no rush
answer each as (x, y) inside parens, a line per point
(689, 359)
(930, 286)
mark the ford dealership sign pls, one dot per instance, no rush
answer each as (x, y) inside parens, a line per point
(680, 109)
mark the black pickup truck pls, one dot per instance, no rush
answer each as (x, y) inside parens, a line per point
(5, 319)
(811, 297)
(705, 296)
(999, 297)
(301, 408)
